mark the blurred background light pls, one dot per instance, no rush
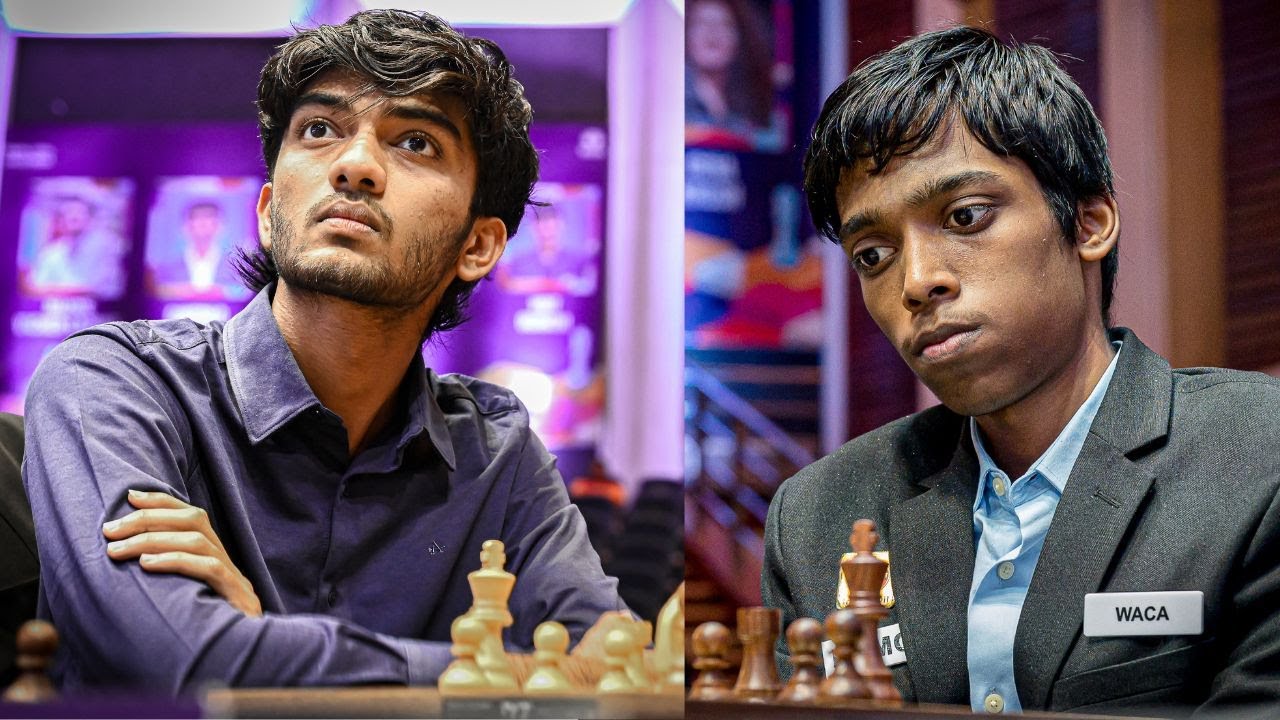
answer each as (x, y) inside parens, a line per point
(554, 13)
(134, 17)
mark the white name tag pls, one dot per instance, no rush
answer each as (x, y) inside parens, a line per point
(1176, 612)
(890, 648)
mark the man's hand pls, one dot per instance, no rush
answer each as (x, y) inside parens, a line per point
(169, 536)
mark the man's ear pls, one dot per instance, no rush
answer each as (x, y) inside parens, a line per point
(482, 248)
(1097, 227)
(264, 217)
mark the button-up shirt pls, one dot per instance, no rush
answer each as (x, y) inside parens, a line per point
(1010, 521)
(360, 562)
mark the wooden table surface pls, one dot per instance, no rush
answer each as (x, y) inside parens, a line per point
(854, 710)
(402, 702)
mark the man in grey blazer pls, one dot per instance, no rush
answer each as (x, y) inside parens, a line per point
(967, 180)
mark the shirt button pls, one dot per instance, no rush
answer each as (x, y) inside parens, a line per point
(1005, 571)
(993, 704)
(998, 484)
(333, 598)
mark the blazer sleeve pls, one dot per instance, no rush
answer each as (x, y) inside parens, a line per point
(775, 591)
(1251, 676)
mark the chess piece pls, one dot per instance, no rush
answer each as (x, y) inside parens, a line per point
(804, 638)
(36, 642)
(866, 574)
(617, 644)
(464, 676)
(490, 589)
(758, 629)
(637, 673)
(710, 648)
(551, 645)
(668, 647)
(844, 683)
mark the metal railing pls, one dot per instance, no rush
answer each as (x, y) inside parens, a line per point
(742, 458)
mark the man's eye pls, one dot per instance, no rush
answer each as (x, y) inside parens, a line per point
(316, 129)
(870, 259)
(967, 216)
(418, 144)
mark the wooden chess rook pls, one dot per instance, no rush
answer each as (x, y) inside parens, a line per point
(758, 629)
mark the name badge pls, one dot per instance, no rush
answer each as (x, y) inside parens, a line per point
(1176, 612)
(890, 648)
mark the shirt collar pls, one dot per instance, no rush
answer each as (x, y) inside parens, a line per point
(267, 383)
(1057, 461)
(271, 390)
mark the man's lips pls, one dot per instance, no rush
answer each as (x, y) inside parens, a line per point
(943, 341)
(350, 217)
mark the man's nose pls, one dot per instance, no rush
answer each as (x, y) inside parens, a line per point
(361, 167)
(926, 277)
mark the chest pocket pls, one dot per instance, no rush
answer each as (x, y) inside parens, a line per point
(1169, 677)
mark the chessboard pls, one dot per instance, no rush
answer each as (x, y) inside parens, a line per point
(621, 668)
(856, 685)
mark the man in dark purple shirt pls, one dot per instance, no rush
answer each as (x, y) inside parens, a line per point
(293, 498)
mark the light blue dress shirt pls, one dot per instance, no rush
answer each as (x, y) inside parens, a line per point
(1010, 521)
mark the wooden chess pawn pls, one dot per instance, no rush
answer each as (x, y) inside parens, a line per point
(36, 643)
(844, 683)
(464, 676)
(617, 645)
(804, 638)
(710, 643)
(758, 629)
(551, 645)
(865, 573)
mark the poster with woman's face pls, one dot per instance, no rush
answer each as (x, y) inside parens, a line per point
(738, 74)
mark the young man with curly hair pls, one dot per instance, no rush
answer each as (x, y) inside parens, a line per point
(293, 498)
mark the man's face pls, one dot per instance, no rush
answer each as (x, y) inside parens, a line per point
(965, 270)
(204, 222)
(712, 37)
(71, 217)
(370, 196)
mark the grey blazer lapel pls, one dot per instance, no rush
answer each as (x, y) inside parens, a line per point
(931, 562)
(1100, 500)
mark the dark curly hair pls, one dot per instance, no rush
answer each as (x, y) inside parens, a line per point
(1015, 99)
(403, 53)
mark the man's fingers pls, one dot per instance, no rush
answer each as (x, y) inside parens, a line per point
(151, 520)
(161, 542)
(214, 573)
(145, 499)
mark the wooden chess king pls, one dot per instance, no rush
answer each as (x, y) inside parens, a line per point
(859, 673)
(611, 659)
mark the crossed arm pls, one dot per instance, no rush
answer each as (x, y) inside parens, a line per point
(166, 535)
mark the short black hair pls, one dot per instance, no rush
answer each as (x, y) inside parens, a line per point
(403, 53)
(1015, 98)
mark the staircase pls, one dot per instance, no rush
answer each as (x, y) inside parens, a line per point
(739, 457)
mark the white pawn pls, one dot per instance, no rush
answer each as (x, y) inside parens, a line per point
(617, 644)
(464, 676)
(551, 644)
